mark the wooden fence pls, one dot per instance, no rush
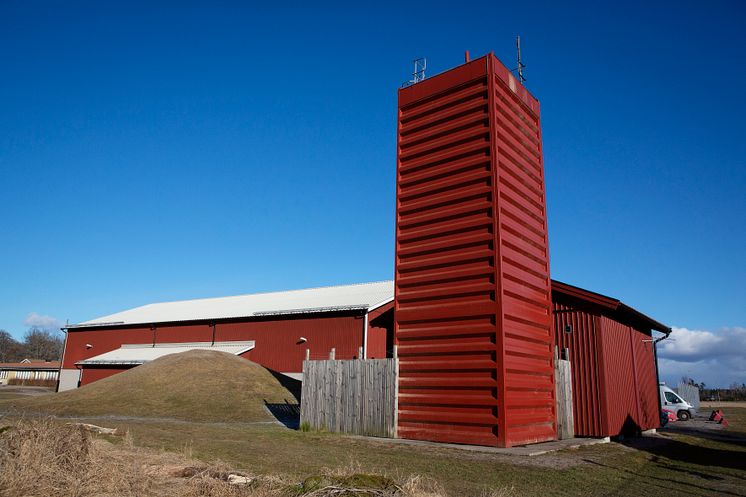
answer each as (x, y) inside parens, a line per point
(356, 396)
(563, 383)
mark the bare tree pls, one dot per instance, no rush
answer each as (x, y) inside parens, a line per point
(10, 349)
(42, 344)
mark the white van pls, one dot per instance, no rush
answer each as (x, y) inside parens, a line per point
(670, 400)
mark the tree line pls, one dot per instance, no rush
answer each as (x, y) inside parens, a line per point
(37, 343)
(733, 392)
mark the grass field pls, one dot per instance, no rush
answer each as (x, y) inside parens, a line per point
(681, 461)
(678, 464)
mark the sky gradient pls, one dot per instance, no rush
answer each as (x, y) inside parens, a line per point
(183, 150)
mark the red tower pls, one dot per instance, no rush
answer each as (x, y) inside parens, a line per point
(473, 304)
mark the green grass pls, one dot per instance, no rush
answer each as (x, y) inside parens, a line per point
(685, 465)
(736, 418)
(221, 398)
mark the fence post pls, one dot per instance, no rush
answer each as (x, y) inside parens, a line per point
(359, 352)
(308, 354)
(332, 353)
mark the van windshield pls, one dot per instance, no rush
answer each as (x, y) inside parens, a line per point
(673, 398)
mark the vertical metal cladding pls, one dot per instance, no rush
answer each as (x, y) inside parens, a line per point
(576, 331)
(278, 339)
(472, 277)
(647, 381)
(615, 386)
(92, 373)
(620, 391)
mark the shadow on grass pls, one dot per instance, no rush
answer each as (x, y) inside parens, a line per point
(708, 433)
(286, 413)
(669, 485)
(676, 450)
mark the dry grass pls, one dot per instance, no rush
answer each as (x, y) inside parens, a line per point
(41, 458)
(197, 385)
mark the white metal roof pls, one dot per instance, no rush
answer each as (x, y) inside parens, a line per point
(360, 296)
(142, 353)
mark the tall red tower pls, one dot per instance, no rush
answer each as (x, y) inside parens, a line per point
(473, 304)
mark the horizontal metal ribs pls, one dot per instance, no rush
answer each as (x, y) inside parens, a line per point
(446, 269)
(524, 272)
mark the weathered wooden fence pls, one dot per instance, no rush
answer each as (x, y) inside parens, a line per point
(355, 396)
(563, 385)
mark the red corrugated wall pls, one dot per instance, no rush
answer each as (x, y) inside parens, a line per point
(472, 318)
(582, 344)
(380, 327)
(277, 338)
(630, 386)
(647, 380)
(91, 374)
(613, 370)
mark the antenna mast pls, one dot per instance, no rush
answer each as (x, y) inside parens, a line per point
(418, 74)
(521, 65)
(419, 69)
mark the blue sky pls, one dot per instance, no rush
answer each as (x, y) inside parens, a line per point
(180, 150)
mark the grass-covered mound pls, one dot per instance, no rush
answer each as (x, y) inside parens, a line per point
(197, 385)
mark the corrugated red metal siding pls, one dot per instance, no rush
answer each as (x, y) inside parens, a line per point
(647, 381)
(380, 327)
(102, 341)
(277, 338)
(621, 389)
(91, 374)
(472, 278)
(582, 344)
(615, 387)
(183, 333)
(524, 263)
(277, 346)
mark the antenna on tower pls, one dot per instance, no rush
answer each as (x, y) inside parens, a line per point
(418, 74)
(521, 65)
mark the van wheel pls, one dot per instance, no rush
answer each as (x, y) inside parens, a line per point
(684, 416)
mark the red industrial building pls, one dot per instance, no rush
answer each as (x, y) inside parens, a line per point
(281, 325)
(611, 350)
(472, 311)
(608, 343)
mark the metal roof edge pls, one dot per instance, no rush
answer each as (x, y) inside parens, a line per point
(583, 294)
(380, 304)
(655, 325)
(614, 305)
(287, 312)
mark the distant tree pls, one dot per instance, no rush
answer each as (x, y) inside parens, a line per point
(10, 349)
(42, 344)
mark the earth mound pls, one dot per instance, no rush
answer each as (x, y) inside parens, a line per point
(196, 385)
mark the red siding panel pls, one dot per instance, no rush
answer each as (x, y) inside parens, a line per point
(619, 379)
(472, 267)
(184, 333)
(380, 331)
(278, 346)
(102, 340)
(583, 346)
(615, 387)
(91, 374)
